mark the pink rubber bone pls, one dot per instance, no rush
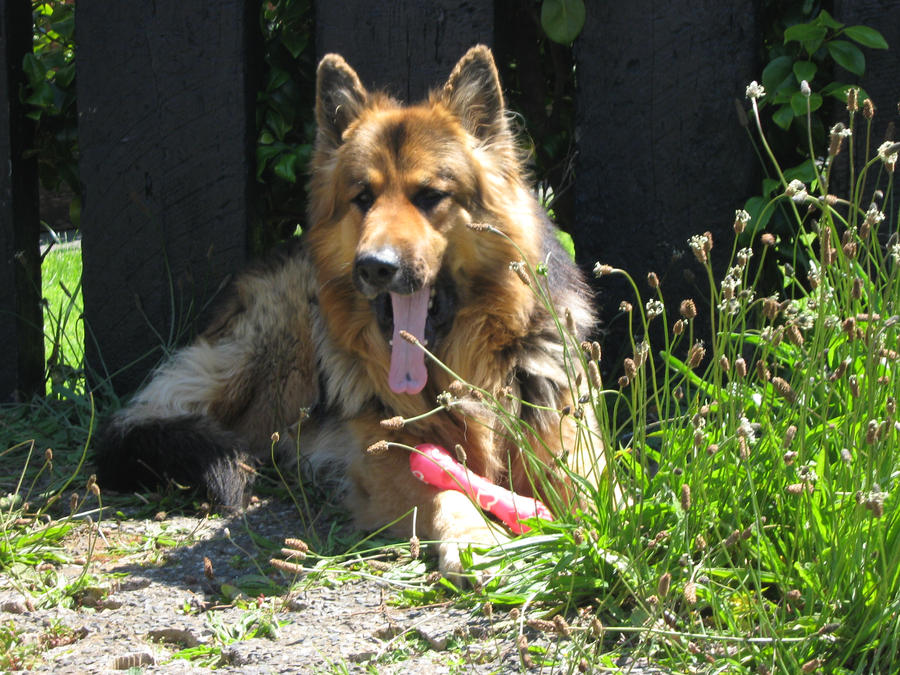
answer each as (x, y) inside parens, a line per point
(434, 465)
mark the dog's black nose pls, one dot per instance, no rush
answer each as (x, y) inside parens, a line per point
(377, 270)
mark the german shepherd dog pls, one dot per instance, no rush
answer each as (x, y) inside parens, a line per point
(419, 220)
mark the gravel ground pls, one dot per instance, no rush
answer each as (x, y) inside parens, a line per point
(138, 617)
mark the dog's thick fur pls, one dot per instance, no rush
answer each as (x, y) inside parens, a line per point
(405, 203)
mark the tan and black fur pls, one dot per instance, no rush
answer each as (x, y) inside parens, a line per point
(401, 198)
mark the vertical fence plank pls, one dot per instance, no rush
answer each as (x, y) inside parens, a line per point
(661, 153)
(408, 46)
(166, 131)
(21, 333)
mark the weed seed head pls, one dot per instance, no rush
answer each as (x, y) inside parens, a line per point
(601, 270)
(678, 327)
(836, 138)
(794, 335)
(688, 309)
(414, 547)
(685, 497)
(804, 88)
(519, 268)
(378, 448)
(594, 375)
(630, 368)
(741, 218)
(393, 424)
(767, 239)
(662, 587)
(784, 388)
(812, 665)
(868, 109)
(570, 322)
(696, 354)
(562, 627)
(740, 367)
(852, 95)
(652, 280)
(690, 593)
(700, 245)
(460, 453)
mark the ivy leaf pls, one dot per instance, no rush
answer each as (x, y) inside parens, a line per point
(562, 20)
(867, 37)
(285, 168)
(848, 56)
(805, 70)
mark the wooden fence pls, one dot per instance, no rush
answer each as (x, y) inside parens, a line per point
(166, 94)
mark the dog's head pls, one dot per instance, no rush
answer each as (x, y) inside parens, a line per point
(394, 191)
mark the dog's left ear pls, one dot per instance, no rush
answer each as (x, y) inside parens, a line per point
(474, 95)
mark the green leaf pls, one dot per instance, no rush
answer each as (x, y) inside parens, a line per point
(567, 243)
(798, 103)
(805, 70)
(848, 56)
(562, 20)
(776, 73)
(825, 19)
(285, 168)
(805, 33)
(867, 37)
(783, 116)
(759, 214)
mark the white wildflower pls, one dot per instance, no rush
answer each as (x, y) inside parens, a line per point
(755, 90)
(894, 252)
(795, 187)
(745, 429)
(874, 215)
(840, 130)
(654, 309)
(887, 153)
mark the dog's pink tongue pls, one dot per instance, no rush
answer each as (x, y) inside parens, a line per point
(408, 374)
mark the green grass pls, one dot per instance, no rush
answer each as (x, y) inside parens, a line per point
(762, 532)
(63, 324)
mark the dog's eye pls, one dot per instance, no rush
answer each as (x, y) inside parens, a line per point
(427, 198)
(364, 200)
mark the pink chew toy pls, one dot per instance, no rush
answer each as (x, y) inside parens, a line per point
(434, 465)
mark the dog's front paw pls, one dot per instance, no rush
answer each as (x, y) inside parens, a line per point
(459, 525)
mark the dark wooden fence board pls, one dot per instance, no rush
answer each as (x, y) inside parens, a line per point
(661, 153)
(881, 80)
(166, 133)
(21, 333)
(407, 46)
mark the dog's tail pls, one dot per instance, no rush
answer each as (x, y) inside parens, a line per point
(188, 450)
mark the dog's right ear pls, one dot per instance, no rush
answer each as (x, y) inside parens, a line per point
(340, 97)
